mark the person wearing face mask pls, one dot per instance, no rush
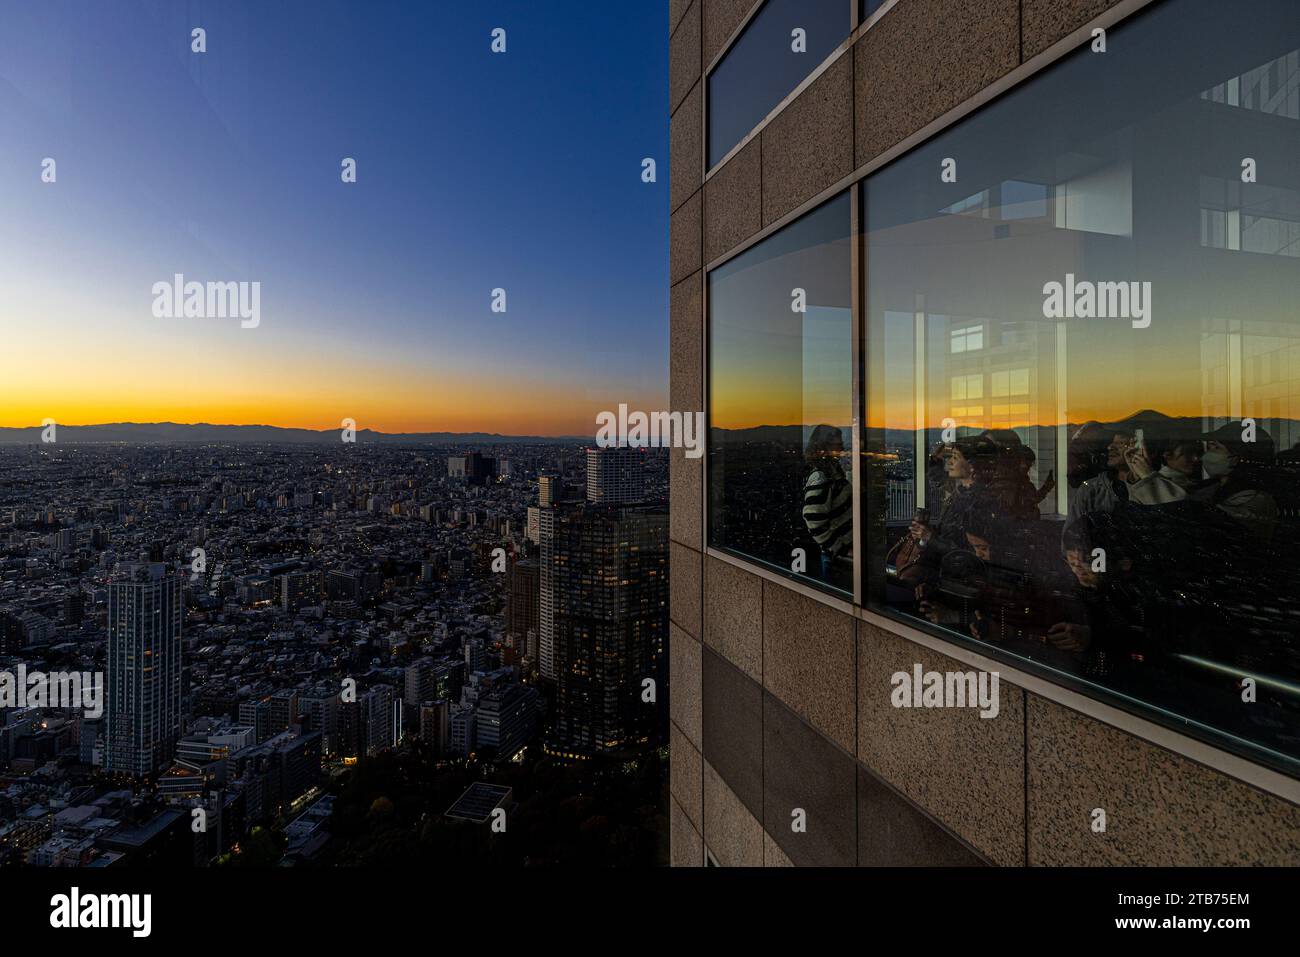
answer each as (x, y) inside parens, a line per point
(1239, 479)
(1236, 480)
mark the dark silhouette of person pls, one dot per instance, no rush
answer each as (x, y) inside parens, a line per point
(828, 497)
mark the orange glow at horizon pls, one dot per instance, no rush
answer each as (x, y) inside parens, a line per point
(400, 404)
(543, 414)
(1105, 414)
(753, 407)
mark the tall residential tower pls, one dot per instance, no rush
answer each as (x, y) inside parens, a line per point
(143, 717)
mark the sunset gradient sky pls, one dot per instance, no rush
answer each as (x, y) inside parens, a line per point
(475, 171)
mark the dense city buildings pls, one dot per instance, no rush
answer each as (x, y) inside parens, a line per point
(272, 618)
(992, 308)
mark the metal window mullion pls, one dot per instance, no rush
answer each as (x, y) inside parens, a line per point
(856, 273)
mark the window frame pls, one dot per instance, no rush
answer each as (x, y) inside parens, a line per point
(802, 583)
(1197, 729)
(847, 43)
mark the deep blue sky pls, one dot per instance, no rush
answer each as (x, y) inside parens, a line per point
(475, 170)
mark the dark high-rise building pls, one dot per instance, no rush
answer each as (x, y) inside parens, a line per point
(609, 593)
(74, 607)
(523, 597)
(321, 713)
(256, 714)
(344, 584)
(370, 723)
(299, 588)
(283, 710)
(475, 468)
(11, 633)
(546, 520)
(143, 716)
(507, 718)
(419, 680)
(435, 725)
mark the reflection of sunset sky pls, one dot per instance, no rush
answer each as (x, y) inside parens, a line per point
(375, 296)
(1178, 366)
(770, 365)
(1062, 176)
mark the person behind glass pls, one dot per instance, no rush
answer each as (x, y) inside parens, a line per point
(970, 467)
(828, 497)
(1098, 472)
(1169, 471)
(980, 534)
(1237, 478)
(1106, 623)
(1010, 484)
(1049, 483)
(936, 472)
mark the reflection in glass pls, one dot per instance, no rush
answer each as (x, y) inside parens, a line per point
(766, 62)
(781, 400)
(1113, 495)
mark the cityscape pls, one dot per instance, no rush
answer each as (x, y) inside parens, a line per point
(464, 465)
(338, 653)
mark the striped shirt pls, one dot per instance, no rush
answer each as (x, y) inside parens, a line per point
(828, 511)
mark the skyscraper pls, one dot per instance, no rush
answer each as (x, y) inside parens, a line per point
(546, 596)
(609, 624)
(144, 669)
(615, 476)
(475, 468)
(522, 598)
(506, 719)
(550, 489)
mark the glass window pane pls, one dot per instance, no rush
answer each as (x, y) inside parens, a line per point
(781, 400)
(785, 42)
(1123, 510)
(868, 7)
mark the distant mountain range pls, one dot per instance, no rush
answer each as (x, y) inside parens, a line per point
(153, 433)
(1155, 424)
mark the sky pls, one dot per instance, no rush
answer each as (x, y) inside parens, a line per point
(475, 171)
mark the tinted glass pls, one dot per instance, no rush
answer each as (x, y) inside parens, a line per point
(785, 41)
(1084, 373)
(867, 7)
(781, 400)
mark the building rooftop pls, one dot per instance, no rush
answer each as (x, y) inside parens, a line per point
(478, 802)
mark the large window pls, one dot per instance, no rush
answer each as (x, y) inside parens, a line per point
(1082, 425)
(781, 400)
(782, 44)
